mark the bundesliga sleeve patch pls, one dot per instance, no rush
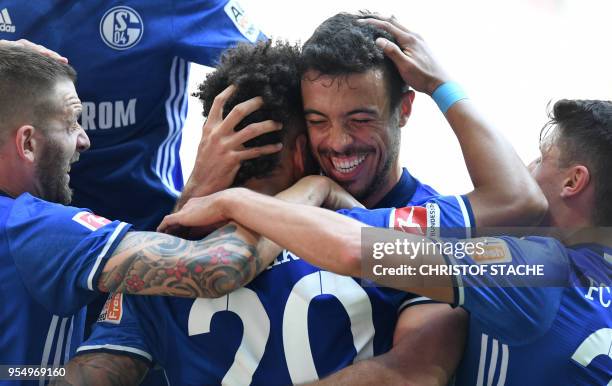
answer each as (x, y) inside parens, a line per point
(416, 219)
(90, 220)
(494, 251)
(235, 12)
(113, 309)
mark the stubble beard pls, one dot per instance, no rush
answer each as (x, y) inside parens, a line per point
(51, 174)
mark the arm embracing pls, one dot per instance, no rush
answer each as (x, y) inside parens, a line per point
(427, 347)
(149, 263)
(103, 369)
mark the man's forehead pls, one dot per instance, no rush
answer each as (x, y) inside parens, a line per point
(356, 90)
(373, 75)
(66, 96)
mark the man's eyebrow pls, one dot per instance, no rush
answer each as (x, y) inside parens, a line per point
(312, 111)
(364, 110)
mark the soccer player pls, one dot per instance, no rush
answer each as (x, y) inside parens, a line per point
(521, 332)
(133, 61)
(295, 323)
(55, 259)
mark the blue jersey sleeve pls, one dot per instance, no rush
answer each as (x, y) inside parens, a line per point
(430, 214)
(203, 30)
(427, 216)
(119, 330)
(60, 251)
(512, 286)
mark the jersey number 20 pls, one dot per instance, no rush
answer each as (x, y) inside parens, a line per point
(300, 363)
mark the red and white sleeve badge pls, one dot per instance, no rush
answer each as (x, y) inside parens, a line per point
(420, 220)
(90, 220)
(113, 309)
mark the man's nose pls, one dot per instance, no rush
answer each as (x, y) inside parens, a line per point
(82, 141)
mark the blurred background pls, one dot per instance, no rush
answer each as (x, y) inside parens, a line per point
(512, 57)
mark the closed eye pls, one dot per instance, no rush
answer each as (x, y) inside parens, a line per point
(315, 121)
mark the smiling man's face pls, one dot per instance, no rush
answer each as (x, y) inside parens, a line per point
(62, 139)
(352, 132)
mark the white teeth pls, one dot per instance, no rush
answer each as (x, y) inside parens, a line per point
(347, 164)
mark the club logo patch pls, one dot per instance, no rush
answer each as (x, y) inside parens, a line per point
(113, 309)
(121, 28)
(494, 251)
(241, 21)
(90, 220)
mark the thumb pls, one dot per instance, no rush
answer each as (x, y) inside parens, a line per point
(168, 222)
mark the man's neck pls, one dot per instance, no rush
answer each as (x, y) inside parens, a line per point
(394, 176)
(9, 189)
(268, 186)
(590, 235)
(15, 181)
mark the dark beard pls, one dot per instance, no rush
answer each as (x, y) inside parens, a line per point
(381, 177)
(51, 174)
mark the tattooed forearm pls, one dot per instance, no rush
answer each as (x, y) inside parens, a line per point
(102, 369)
(150, 263)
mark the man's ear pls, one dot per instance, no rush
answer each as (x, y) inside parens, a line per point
(301, 156)
(576, 180)
(26, 144)
(406, 107)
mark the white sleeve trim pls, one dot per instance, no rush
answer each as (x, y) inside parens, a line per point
(466, 217)
(413, 301)
(102, 254)
(459, 281)
(115, 347)
(392, 219)
(460, 291)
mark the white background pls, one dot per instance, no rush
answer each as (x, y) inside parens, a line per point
(512, 57)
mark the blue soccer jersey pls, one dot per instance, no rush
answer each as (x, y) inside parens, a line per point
(50, 259)
(408, 191)
(294, 323)
(132, 58)
(546, 328)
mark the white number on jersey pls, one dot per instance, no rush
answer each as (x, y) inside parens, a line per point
(598, 343)
(246, 304)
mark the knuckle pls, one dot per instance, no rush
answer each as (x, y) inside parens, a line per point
(214, 136)
(240, 109)
(234, 158)
(219, 99)
(250, 130)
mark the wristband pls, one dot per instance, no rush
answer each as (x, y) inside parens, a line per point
(447, 94)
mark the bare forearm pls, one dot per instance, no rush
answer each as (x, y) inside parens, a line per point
(373, 371)
(190, 191)
(334, 242)
(322, 237)
(148, 263)
(427, 348)
(101, 369)
(504, 192)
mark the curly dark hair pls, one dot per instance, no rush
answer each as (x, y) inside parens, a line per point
(583, 132)
(269, 70)
(341, 46)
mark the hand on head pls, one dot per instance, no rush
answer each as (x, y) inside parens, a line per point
(411, 56)
(36, 47)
